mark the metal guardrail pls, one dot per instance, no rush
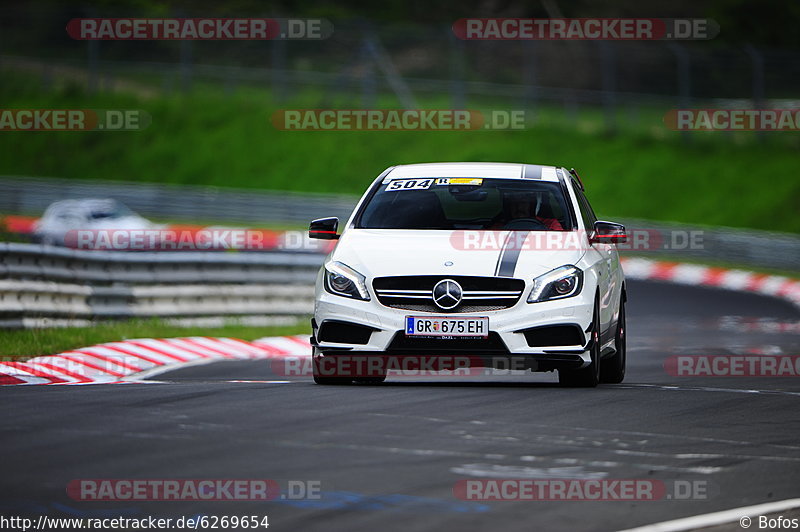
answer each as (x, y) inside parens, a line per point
(66, 285)
(32, 195)
(759, 249)
(63, 284)
(29, 195)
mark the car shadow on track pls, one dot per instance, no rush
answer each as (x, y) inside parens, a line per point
(455, 384)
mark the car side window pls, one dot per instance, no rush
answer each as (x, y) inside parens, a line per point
(588, 215)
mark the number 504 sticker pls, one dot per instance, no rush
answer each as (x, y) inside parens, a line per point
(410, 184)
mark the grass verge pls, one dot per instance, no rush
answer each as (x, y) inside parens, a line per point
(27, 343)
(208, 137)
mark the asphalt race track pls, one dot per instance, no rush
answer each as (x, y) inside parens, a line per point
(388, 456)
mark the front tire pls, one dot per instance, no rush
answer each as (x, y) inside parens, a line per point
(589, 376)
(321, 376)
(612, 370)
(376, 374)
(370, 380)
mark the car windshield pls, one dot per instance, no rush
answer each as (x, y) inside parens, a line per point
(108, 211)
(467, 203)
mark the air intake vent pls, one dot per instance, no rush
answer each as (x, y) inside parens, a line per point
(554, 336)
(342, 332)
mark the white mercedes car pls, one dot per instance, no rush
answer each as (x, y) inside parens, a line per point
(503, 265)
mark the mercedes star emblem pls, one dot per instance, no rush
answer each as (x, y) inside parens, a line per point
(447, 294)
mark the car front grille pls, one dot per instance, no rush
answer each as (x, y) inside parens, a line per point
(480, 294)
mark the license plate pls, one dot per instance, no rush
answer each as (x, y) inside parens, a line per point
(447, 326)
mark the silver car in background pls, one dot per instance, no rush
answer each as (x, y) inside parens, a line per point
(93, 214)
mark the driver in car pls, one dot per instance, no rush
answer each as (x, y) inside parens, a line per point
(526, 207)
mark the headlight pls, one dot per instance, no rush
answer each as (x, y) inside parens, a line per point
(564, 281)
(342, 280)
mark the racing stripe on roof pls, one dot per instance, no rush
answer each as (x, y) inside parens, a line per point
(532, 171)
(507, 261)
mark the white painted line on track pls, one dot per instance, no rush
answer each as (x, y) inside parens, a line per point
(261, 382)
(719, 518)
(158, 370)
(678, 388)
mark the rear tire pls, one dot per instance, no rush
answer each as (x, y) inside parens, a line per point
(589, 376)
(612, 370)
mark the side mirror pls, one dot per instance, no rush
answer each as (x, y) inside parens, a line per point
(608, 233)
(324, 228)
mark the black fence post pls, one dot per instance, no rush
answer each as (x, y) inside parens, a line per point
(609, 85)
(93, 75)
(278, 68)
(683, 72)
(531, 79)
(457, 71)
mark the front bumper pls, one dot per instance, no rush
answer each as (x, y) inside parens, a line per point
(507, 343)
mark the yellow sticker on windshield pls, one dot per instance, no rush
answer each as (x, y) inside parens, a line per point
(475, 181)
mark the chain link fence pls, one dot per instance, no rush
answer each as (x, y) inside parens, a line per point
(366, 65)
